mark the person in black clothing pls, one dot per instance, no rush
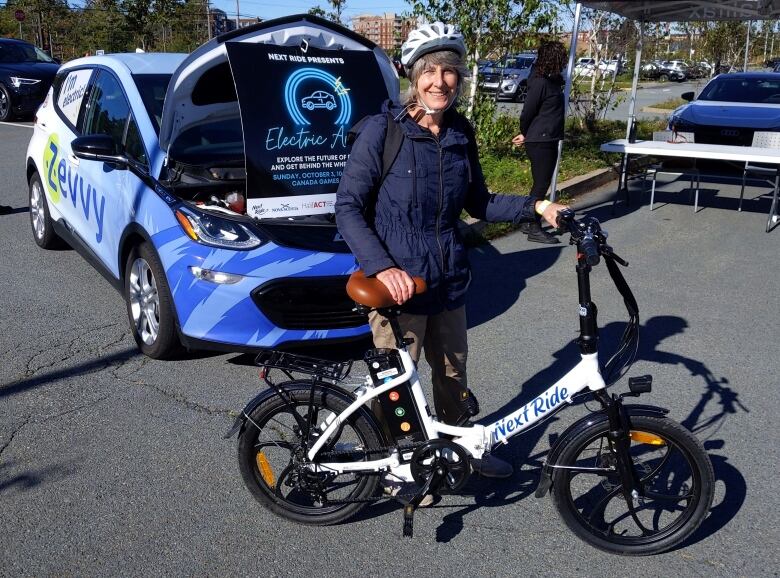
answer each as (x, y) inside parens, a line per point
(541, 127)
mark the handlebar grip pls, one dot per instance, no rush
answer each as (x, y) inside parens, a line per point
(591, 250)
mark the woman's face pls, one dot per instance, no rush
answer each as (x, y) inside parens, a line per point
(438, 86)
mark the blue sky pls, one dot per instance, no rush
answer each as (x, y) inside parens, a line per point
(275, 8)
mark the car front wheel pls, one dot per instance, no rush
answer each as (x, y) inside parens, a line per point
(149, 304)
(6, 113)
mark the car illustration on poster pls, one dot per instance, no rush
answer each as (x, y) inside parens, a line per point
(216, 240)
(319, 99)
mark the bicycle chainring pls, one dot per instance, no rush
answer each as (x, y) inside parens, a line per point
(440, 453)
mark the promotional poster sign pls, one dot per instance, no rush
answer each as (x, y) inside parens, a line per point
(297, 105)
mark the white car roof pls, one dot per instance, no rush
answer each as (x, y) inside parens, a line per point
(134, 62)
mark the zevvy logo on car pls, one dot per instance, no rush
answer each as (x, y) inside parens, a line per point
(65, 184)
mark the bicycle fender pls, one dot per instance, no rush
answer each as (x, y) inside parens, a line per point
(545, 482)
(238, 424)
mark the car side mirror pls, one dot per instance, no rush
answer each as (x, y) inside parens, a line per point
(98, 147)
(687, 96)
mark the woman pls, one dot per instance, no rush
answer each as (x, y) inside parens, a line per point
(541, 127)
(407, 223)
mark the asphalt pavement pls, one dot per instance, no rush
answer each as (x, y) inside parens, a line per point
(114, 464)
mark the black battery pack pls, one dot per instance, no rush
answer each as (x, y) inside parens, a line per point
(398, 409)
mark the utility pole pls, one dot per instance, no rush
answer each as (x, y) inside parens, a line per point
(208, 18)
(238, 16)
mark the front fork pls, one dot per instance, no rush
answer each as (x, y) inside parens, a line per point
(619, 436)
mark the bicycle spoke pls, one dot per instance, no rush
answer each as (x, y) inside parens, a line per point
(658, 468)
(666, 498)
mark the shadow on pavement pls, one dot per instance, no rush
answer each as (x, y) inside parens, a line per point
(99, 364)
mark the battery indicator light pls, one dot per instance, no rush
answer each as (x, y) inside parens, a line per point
(394, 396)
(406, 426)
(400, 412)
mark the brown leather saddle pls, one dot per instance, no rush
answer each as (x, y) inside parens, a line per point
(371, 292)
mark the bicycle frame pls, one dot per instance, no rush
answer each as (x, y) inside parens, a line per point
(476, 439)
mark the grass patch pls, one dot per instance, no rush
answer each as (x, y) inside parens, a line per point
(669, 104)
(509, 171)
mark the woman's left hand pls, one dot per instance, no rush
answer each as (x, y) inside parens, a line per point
(550, 213)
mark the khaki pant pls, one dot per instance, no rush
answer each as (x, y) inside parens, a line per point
(443, 339)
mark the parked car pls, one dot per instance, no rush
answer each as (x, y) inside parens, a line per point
(678, 70)
(26, 73)
(584, 66)
(508, 78)
(138, 161)
(731, 108)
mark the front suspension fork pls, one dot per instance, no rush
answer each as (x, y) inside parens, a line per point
(619, 436)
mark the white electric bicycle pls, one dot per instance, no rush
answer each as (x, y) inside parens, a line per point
(625, 478)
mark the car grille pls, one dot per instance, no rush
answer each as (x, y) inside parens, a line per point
(737, 136)
(308, 303)
(491, 77)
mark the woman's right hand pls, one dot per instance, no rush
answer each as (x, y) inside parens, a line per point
(519, 140)
(398, 282)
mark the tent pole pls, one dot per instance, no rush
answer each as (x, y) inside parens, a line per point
(566, 92)
(630, 123)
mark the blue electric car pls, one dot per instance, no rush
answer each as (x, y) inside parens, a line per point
(201, 188)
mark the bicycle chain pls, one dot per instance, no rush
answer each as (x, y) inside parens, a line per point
(366, 453)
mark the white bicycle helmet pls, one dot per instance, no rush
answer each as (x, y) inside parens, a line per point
(431, 38)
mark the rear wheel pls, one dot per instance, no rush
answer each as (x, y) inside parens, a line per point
(40, 220)
(677, 485)
(273, 463)
(664, 78)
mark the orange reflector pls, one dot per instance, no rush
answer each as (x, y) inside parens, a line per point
(186, 225)
(265, 470)
(643, 437)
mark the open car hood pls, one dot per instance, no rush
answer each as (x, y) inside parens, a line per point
(279, 99)
(179, 111)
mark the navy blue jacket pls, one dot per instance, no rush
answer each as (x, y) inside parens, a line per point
(411, 221)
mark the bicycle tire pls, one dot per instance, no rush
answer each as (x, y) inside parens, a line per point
(674, 468)
(268, 465)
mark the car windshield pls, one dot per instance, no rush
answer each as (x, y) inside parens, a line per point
(760, 90)
(152, 88)
(522, 62)
(12, 52)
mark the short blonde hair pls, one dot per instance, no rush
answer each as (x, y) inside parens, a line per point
(446, 58)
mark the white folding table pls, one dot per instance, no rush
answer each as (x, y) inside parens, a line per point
(691, 150)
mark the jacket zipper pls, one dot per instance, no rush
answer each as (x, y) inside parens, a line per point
(441, 207)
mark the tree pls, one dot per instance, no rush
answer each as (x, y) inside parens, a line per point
(336, 10)
(486, 25)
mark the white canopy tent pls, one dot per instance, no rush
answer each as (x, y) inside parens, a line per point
(643, 11)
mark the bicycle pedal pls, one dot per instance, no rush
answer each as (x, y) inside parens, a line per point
(408, 521)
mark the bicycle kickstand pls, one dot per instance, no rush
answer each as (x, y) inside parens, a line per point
(431, 485)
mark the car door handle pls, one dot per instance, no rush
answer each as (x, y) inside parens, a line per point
(74, 159)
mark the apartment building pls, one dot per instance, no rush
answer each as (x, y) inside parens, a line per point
(388, 30)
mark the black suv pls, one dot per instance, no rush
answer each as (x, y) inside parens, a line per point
(26, 73)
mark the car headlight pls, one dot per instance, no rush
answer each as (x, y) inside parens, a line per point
(18, 81)
(216, 231)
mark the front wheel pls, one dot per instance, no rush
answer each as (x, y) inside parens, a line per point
(677, 483)
(6, 105)
(272, 456)
(149, 304)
